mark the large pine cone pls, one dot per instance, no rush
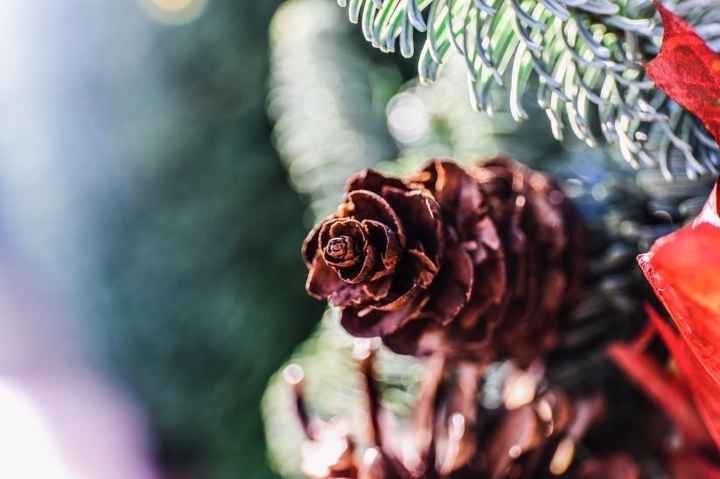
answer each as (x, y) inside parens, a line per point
(471, 263)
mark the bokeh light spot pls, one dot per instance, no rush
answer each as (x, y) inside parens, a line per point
(173, 5)
(174, 12)
(28, 446)
(408, 119)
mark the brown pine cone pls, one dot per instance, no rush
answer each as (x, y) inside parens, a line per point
(470, 263)
(450, 434)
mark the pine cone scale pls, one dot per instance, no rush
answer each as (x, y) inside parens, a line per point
(452, 288)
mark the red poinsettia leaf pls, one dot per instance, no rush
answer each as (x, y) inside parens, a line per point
(668, 394)
(684, 270)
(688, 70)
(703, 386)
(693, 466)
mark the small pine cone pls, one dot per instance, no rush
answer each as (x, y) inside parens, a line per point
(471, 263)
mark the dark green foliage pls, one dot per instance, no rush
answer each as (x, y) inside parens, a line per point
(203, 278)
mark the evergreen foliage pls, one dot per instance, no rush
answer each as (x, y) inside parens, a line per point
(581, 59)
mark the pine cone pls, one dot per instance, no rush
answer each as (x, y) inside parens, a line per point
(450, 435)
(471, 263)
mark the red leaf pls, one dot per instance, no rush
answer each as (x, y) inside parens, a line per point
(702, 385)
(688, 70)
(693, 466)
(669, 395)
(684, 270)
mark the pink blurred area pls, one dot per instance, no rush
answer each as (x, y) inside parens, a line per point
(60, 419)
(68, 425)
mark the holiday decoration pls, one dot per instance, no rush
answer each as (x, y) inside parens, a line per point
(531, 433)
(489, 319)
(470, 263)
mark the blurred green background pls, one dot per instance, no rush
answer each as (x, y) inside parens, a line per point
(203, 280)
(140, 185)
